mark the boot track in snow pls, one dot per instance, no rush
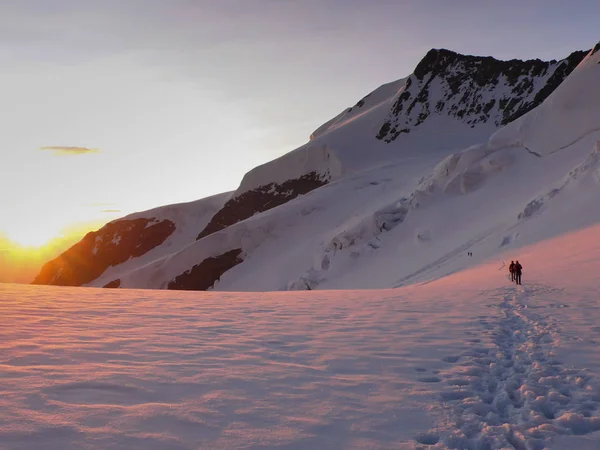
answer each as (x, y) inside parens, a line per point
(514, 393)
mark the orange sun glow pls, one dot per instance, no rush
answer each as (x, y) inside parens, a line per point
(31, 238)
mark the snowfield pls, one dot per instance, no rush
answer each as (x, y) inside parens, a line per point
(466, 361)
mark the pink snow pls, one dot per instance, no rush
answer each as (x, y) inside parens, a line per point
(466, 360)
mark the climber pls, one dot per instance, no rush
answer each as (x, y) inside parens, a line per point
(518, 272)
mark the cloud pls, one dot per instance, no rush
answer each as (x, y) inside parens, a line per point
(111, 211)
(60, 150)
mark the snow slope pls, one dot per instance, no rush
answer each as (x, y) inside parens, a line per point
(379, 96)
(186, 217)
(569, 114)
(466, 361)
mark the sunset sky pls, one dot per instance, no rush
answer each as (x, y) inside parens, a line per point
(115, 106)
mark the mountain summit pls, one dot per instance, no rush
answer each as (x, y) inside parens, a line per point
(474, 90)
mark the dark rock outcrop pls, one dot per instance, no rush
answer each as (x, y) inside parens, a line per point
(113, 244)
(360, 103)
(114, 284)
(562, 71)
(262, 199)
(204, 275)
(474, 89)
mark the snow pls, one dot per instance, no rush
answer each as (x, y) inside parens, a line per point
(309, 158)
(465, 361)
(189, 219)
(568, 114)
(382, 94)
(181, 211)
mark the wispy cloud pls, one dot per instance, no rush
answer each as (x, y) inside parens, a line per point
(61, 150)
(111, 211)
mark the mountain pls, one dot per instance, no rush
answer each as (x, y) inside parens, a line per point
(467, 154)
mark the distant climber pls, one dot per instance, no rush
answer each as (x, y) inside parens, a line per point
(518, 272)
(511, 269)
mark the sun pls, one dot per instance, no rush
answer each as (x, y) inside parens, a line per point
(31, 238)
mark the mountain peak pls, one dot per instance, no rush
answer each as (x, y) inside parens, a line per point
(433, 60)
(474, 89)
(485, 69)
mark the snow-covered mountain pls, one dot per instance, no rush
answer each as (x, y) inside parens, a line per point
(467, 154)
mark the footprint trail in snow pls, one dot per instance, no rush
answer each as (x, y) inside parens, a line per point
(513, 393)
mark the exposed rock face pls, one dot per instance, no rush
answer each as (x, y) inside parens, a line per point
(474, 90)
(113, 284)
(262, 199)
(113, 244)
(204, 275)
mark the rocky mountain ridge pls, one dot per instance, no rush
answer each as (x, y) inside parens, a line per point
(474, 89)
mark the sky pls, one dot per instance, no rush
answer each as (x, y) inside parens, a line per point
(116, 106)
